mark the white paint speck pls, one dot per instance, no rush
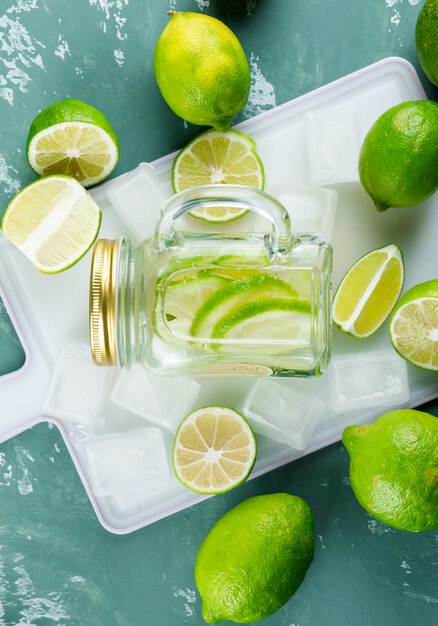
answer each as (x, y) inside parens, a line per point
(376, 528)
(49, 607)
(261, 94)
(2, 459)
(190, 599)
(78, 579)
(119, 57)
(405, 565)
(394, 6)
(62, 48)
(113, 18)
(22, 6)
(322, 542)
(18, 52)
(202, 4)
(8, 180)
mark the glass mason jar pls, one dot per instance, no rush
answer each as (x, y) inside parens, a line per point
(195, 303)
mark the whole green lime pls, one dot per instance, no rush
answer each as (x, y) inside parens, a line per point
(399, 156)
(426, 39)
(394, 468)
(254, 558)
(201, 70)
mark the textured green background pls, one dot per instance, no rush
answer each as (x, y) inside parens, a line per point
(57, 565)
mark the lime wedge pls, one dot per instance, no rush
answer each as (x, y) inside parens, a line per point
(265, 326)
(214, 450)
(413, 327)
(238, 292)
(218, 158)
(368, 292)
(73, 138)
(53, 221)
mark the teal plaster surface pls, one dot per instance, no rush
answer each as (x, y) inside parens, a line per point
(58, 566)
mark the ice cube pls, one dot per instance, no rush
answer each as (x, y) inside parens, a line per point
(161, 400)
(78, 387)
(127, 503)
(311, 209)
(362, 380)
(281, 413)
(138, 198)
(333, 145)
(123, 462)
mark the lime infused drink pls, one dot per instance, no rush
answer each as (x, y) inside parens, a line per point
(209, 303)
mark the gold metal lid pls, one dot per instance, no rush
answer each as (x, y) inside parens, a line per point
(103, 302)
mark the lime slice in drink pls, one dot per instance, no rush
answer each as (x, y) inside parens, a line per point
(413, 327)
(272, 325)
(218, 158)
(214, 450)
(183, 298)
(53, 221)
(238, 292)
(368, 292)
(73, 138)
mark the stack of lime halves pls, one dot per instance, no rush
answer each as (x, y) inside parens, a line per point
(234, 302)
(54, 221)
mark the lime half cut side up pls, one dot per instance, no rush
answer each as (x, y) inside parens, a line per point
(73, 138)
(368, 292)
(216, 157)
(53, 221)
(214, 450)
(413, 327)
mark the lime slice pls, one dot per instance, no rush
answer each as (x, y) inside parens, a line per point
(183, 298)
(73, 138)
(368, 292)
(238, 292)
(413, 327)
(218, 158)
(53, 221)
(274, 325)
(214, 450)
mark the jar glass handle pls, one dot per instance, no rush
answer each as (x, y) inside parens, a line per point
(279, 241)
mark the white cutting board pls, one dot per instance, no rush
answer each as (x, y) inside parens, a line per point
(47, 310)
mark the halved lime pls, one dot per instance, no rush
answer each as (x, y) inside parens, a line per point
(238, 292)
(368, 292)
(413, 327)
(53, 221)
(73, 138)
(214, 450)
(271, 325)
(215, 157)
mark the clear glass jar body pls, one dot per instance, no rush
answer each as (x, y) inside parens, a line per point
(196, 304)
